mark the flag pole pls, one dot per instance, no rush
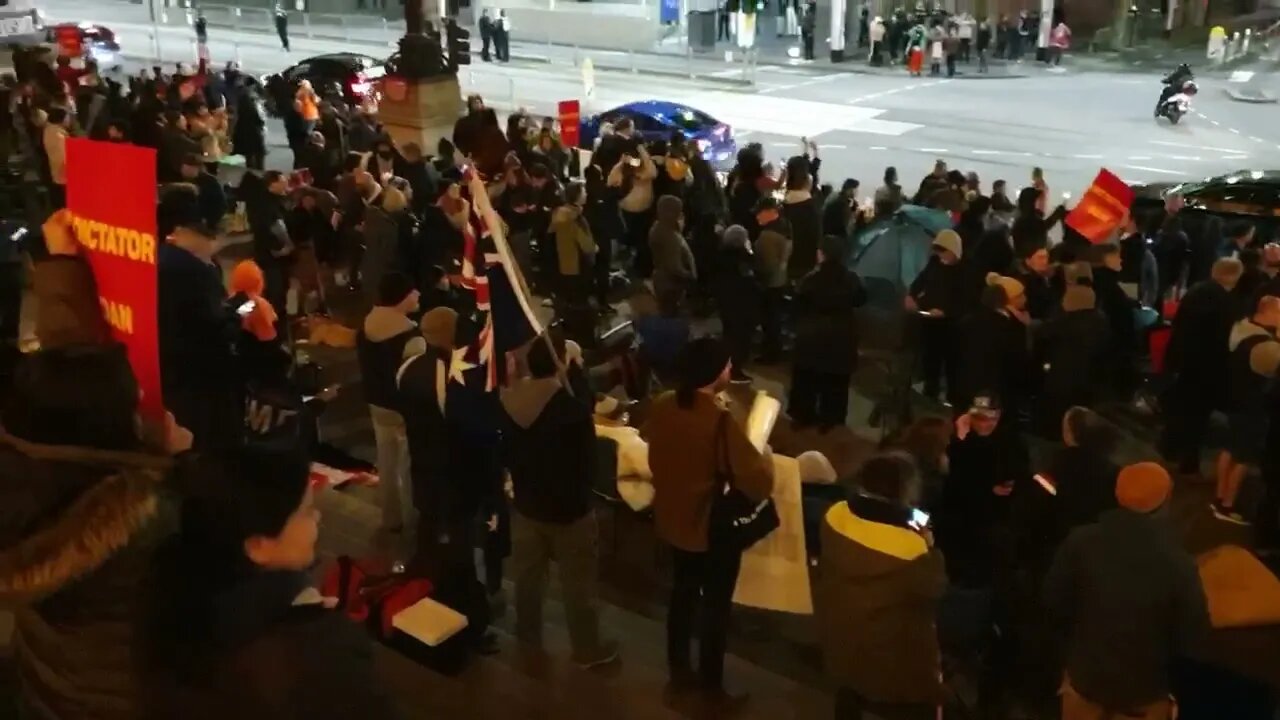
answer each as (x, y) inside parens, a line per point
(480, 202)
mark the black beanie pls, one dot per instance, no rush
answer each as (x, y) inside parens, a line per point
(700, 362)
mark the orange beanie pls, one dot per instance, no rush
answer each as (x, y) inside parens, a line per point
(1143, 487)
(246, 277)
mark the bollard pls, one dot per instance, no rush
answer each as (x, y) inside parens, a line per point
(235, 49)
(1244, 47)
(306, 25)
(688, 56)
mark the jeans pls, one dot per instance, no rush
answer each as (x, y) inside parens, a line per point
(707, 579)
(535, 544)
(393, 467)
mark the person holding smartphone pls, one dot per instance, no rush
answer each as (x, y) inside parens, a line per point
(878, 595)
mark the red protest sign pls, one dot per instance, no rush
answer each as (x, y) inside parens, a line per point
(570, 122)
(1102, 207)
(111, 194)
(70, 43)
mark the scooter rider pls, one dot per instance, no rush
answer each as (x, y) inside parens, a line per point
(1173, 83)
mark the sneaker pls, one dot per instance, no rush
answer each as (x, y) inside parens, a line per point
(1227, 514)
(607, 654)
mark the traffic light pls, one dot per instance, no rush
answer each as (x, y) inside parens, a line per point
(458, 42)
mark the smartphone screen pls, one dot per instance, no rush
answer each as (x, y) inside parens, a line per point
(246, 308)
(1045, 483)
(919, 518)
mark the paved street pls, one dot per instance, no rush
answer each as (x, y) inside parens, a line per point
(1069, 123)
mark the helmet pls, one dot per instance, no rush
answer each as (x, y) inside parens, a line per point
(1190, 88)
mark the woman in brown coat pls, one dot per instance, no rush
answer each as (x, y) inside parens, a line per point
(693, 443)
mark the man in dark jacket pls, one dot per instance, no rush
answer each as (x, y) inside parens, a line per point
(273, 249)
(826, 341)
(673, 267)
(1118, 307)
(773, 253)
(387, 338)
(1071, 347)
(549, 449)
(1197, 359)
(1130, 600)
(803, 213)
(198, 329)
(838, 211)
(937, 295)
(737, 293)
(213, 199)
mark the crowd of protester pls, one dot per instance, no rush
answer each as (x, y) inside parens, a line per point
(1035, 565)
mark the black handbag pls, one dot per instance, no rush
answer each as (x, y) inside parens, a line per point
(736, 522)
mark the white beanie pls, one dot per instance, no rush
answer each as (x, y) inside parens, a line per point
(815, 468)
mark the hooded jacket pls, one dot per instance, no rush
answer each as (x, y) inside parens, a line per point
(575, 245)
(1130, 600)
(824, 310)
(773, 253)
(78, 527)
(548, 446)
(876, 601)
(385, 340)
(672, 259)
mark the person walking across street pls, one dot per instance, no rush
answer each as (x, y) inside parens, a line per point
(282, 27)
(202, 28)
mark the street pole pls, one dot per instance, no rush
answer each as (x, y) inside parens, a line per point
(838, 21)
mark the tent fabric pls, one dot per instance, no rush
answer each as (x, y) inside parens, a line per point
(891, 252)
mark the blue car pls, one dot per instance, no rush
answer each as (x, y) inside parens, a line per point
(657, 120)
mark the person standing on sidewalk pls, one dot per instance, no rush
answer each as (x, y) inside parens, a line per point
(808, 22)
(282, 27)
(549, 448)
(486, 34)
(982, 41)
(502, 37)
(385, 340)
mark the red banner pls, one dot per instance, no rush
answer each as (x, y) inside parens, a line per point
(1102, 207)
(570, 123)
(70, 42)
(111, 194)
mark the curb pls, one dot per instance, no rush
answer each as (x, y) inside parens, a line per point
(1255, 97)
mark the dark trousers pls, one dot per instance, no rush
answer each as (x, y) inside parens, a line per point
(722, 26)
(937, 356)
(951, 66)
(806, 37)
(818, 397)
(602, 267)
(486, 39)
(57, 196)
(501, 46)
(739, 329)
(703, 579)
(283, 31)
(772, 301)
(637, 238)
(852, 706)
(1186, 418)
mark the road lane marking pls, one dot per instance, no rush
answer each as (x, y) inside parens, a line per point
(1168, 143)
(1154, 169)
(1139, 157)
(1240, 76)
(934, 150)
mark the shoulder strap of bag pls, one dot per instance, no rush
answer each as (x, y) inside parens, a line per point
(724, 464)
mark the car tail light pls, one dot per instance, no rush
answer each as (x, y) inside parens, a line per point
(359, 86)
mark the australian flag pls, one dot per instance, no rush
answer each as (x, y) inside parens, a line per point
(503, 318)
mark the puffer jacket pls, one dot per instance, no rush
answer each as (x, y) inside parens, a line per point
(78, 527)
(876, 602)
